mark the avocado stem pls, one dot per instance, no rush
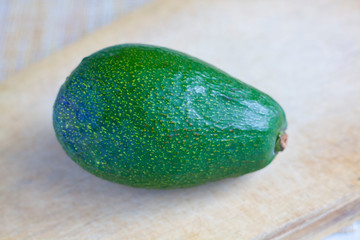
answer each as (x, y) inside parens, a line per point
(283, 141)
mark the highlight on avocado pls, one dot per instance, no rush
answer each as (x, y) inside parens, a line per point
(152, 117)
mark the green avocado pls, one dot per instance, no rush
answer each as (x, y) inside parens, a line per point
(152, 117)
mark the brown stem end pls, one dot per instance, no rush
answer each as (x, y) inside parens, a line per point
(283, 141)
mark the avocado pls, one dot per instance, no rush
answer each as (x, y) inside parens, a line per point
(152, 117)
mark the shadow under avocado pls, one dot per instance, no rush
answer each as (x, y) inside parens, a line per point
(53, 177)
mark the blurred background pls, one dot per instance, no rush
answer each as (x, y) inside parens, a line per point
(31, 30)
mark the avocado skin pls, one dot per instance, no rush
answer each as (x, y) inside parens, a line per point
(152, 117)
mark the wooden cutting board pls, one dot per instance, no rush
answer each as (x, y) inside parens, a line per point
(306, 54)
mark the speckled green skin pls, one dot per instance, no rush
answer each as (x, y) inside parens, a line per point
(152, 117)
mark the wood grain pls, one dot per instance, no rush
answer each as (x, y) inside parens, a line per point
(305, 54)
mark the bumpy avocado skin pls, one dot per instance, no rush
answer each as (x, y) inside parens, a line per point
(152, 117)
